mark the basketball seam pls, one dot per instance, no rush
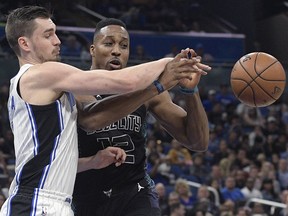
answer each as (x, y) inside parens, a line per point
(254, 79)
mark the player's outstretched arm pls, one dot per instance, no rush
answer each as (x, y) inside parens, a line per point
(189, 126)
(94, 115)
(102, 158)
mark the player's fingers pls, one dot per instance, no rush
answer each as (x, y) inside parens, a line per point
(192, 53)
(181, 55)
(203, 66)
(188, 69)
(120, 155)
(191, 61)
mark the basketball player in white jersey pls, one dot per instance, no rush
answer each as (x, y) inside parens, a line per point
(43, 113)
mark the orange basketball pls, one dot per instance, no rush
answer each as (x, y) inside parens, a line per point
(258, 79)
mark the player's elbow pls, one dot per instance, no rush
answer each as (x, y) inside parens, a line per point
(200, 144)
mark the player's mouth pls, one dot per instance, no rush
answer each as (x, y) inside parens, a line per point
(115, 64)
(57, 51)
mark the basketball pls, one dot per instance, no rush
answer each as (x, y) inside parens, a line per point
(258, 79)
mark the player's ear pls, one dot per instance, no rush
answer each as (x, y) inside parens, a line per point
(92, 48)
(23, 43)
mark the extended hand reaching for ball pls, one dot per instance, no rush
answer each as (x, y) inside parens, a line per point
(193, 82)
(186, 68)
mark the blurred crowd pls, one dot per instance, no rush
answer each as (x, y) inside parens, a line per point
(169, 15)
(246, 159)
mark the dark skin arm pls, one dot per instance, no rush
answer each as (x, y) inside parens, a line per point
(113, 106)
(116, 107)
(189, 127)
(93, 115)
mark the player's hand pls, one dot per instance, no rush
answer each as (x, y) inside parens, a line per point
(108, 156)
(184, 66)
(195, 77)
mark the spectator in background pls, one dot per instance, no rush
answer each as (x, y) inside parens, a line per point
(210, 101)
(198, 168)
(272, 127)
(226, 164)
(231, 192)
(241, 161)
(173, 52)
(204, 203)
(226, 97)
(158, 169)
(254, 134)
(180, 159)
(240, 178)
(228, 208)
(71, 47)
(283, 199)
(173, 198)
(177, 209)
(222, 152)
(258, 209)
(249, 191)
(163, 199)
(282, 174)
(185, 193)
(215, 175)
(243, 211)
(179, 26)
(252, 117)
(140, 54)
(206, 57)
(267, 190)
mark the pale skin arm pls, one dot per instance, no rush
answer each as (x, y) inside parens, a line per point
(93, 115)
(44, 83)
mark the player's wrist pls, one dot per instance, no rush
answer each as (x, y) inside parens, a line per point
(158, 86)
(190, 91)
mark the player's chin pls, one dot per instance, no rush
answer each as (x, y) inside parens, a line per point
(58, 58)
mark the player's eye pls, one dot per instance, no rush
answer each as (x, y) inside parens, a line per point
(108, 43)
(124, 46)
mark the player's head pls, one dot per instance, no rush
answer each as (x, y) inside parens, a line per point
(30, 31)
(111, 44)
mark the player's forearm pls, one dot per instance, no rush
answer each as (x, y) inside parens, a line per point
(84, 164)
(197, 125)
(144, 74)
(111, 109)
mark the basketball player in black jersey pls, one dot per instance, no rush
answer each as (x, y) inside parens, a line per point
(127, 190)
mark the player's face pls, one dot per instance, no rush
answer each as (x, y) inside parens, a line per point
(110, 50)
(44, 44)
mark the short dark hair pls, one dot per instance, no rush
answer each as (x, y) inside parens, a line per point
(175, 206)
(107, 22)
(20, 22)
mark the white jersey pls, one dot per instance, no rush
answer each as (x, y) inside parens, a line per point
(45, 140)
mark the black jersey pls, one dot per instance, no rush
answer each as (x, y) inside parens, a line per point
(129, 134)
